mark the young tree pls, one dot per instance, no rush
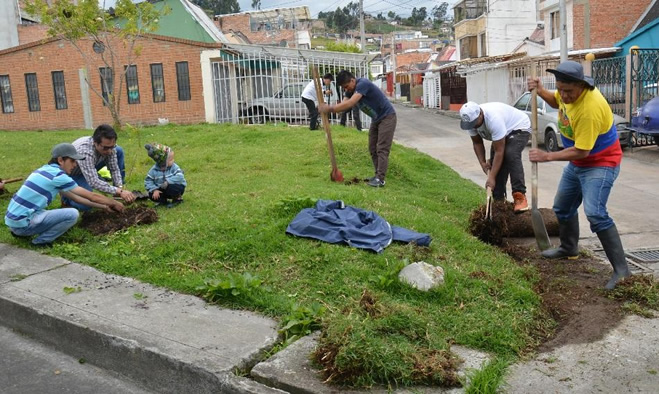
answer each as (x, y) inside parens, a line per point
(115, 39)
(391, 15)
(256, 4)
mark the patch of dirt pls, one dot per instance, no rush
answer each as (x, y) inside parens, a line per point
(505, 223)
(572, 294)
(101, 222)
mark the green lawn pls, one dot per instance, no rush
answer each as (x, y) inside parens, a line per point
(227, 242)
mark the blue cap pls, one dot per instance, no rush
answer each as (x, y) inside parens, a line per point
(571, 71)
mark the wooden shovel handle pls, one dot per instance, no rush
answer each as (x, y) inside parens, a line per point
(11, 180)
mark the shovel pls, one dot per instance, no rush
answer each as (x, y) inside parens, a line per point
(335, 175)
(539, 229)
(488, 205)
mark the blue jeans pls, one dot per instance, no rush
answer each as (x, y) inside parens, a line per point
(590, 185)
(48, 225)
(82, 182)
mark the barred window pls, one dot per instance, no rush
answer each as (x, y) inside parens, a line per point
(59, 89)
(32, 88)
(107, 83)
(183, 81)
(131, 85)
(5, 95)
(157, 83)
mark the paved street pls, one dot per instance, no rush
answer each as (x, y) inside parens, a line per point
(30, 367)
(631, 204)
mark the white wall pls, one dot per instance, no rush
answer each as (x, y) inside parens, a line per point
(488, 86)
(509, 22)
(8, 22)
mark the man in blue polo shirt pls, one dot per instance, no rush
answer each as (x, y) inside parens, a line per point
(375, 104)
(27, 215)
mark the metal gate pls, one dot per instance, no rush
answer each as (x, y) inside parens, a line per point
(610, 79)
(257, 84)
(453, 85)
(432, 91)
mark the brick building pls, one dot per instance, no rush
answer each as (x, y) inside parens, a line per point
(42, 85)
(285, 27)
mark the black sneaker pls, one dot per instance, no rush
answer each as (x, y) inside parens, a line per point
(375, 182)
(174, 203)
(19, 236)
(46, 245)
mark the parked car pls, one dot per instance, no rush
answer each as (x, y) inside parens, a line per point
(548, 134)
(286, 104)
(645, 121)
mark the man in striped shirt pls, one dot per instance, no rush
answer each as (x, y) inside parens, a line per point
(27, 215)
(99, 150)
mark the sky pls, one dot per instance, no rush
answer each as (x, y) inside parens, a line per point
(400, 7)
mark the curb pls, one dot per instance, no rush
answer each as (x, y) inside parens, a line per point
(167, 343)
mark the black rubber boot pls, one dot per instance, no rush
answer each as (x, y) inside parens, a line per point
(612, 245)
(568, 232)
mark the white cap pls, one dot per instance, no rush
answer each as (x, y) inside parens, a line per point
(469, 115)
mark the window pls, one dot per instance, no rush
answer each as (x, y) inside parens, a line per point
(32, 92)
(183, 81)
(523, 102)
(59, 89)
(131, 85)
(157, 83)
(107, 83)
(5, 95)
(483, 45)
(555, 24)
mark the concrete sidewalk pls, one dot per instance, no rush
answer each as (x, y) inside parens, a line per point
(168, 342)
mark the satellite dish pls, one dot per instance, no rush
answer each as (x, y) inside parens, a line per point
(283, 43)
(98, 47)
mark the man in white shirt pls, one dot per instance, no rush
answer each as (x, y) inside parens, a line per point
(310, 100)
(509, 130)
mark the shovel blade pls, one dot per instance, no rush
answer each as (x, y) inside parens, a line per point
(336, 175)
(540, 231)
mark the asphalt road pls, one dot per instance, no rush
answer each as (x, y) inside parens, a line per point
(30, 367)
(633, 204)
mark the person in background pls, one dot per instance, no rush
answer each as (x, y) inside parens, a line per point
(509, 130)
(354, 112)
(98, 151)
(311, 101)
(593, 153)
(375, 104)
(26, 214)
(165, 180)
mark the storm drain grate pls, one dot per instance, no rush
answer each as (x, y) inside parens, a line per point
(645, 256)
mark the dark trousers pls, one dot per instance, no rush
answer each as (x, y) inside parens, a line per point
(354, 112)
(313, 113)
(512, 165)
(380, 138)
(170, 192)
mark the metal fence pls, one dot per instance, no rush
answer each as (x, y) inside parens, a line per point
(519, 72)
(610, 79)
(257, 84)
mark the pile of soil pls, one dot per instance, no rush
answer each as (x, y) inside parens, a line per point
(505, 223)
(101, 222)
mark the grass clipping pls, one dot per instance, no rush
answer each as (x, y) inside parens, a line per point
(357, 351)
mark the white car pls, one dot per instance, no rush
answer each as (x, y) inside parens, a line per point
(548, 134)
(286, 104)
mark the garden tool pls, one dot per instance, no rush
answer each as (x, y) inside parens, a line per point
(10, 180)
(488, 205)
(539, 229)
(335, 175)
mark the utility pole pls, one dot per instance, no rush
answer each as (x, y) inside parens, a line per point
(393, 62)
(361, 25)
(563, 29)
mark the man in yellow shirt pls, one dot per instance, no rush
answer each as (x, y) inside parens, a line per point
(591, 144)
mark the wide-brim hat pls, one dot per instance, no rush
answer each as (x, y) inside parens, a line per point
(571, 71)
